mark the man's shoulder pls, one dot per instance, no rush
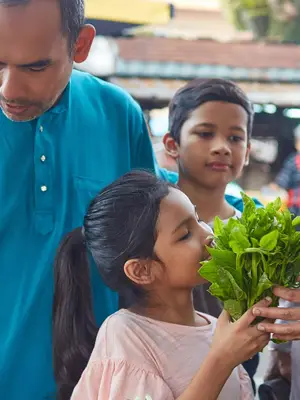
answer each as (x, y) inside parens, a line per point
(99, 92)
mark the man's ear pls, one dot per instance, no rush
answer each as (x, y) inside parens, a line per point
(247, 158)
(84, 43)
(171, 146)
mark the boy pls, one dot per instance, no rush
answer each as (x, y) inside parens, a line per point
(210, 126)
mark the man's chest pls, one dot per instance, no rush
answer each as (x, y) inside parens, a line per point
(51, 170)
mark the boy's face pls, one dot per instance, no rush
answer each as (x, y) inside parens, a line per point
(213, 144)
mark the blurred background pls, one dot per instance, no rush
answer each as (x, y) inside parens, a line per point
(151, 48)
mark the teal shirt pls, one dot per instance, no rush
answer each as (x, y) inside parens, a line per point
(50, 170)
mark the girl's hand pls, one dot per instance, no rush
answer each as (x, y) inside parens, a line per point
(239, 341)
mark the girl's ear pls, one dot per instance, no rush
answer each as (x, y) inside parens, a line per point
(139, 271)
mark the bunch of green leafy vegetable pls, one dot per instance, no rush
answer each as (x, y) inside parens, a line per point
(251, 255)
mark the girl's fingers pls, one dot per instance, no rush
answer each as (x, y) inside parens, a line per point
(224, 319)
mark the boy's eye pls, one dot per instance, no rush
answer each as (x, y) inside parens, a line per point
(205, 134)
(185, 237)
(235, 138)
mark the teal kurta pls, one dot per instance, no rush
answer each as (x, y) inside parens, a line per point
(49, 171)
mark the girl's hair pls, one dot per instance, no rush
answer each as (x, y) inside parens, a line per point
(119, 225)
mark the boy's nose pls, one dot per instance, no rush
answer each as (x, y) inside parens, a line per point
(220, 148)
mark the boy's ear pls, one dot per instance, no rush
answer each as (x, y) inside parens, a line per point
(247, 155)
(171, 146)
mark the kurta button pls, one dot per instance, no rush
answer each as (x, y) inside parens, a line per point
(43, 158)
(44, 188)
(41, 129)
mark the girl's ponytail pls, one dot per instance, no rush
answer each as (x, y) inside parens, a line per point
(73, 322)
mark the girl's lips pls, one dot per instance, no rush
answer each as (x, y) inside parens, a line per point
(206, 259)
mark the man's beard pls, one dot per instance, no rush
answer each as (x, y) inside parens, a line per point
(40, 109)
(28, 119)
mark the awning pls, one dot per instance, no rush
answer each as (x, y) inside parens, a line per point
(111, 17)
(281, 94)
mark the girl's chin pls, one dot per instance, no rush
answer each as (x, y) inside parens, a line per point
(201, 281)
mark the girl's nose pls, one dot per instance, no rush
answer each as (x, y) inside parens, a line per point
(210, 241)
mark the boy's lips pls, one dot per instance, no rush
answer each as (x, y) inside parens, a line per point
(219, 166)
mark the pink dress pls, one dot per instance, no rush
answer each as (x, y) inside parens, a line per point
(138, 358)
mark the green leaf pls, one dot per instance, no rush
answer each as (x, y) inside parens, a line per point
(218, 226)
(208, 270)
(222, 257)
(253, 253)
(235, 308)
(216, 291)
(263, 284)
(254, 242)
(255, 259)
(233, 223)
(238, 240)
(296, 221)
(278, 341)
(277, 204)
(249, 206)
(238, 246)
(269, 241)
(227, 282)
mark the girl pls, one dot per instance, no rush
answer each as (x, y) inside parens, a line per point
(146, 240)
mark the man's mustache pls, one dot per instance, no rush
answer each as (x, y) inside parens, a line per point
(19, 102)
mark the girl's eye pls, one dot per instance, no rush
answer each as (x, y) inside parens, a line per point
(185, 237)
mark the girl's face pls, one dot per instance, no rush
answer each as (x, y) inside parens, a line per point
(181, 242)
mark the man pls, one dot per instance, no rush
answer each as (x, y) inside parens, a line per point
(63, 136)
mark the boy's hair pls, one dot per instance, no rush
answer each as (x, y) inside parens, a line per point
(198, 92)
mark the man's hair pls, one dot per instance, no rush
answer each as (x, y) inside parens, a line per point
(72, 16)
(198, 92)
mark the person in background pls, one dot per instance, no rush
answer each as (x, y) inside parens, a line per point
(289, 177)
(284, 360)
(210, 129)
(64, 135)
(147, 241)
(285, 357)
